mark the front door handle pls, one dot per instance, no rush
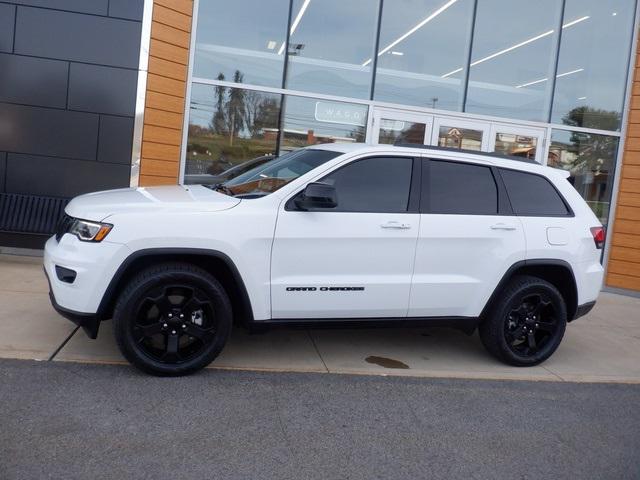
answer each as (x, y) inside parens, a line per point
(502, 226)
(396, 225)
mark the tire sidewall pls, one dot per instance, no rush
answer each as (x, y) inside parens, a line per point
(125, 314)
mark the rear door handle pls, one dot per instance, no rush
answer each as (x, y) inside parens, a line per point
(396, 225)
(502, 226)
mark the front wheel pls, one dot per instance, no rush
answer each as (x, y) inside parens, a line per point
(172, 319)
(526, 324)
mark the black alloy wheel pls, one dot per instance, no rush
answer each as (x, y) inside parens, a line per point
(172, 319)
(531, 325)
(174, 323)
(525, 325)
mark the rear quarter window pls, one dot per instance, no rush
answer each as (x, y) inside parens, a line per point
(533, 195)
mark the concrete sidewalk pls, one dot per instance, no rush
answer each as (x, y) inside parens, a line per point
(602, 347)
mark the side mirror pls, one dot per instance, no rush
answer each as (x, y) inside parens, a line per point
(317, 196)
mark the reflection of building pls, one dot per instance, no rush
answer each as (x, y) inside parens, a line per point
(458, 73)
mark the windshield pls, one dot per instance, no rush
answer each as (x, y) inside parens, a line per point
(275, 174)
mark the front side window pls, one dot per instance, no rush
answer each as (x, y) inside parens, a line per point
(273, 175)
(458, 188)
(532, 195)
(379, 184)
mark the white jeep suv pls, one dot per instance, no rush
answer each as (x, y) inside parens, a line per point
(332, 234)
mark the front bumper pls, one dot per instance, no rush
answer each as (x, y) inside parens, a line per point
(90, 322)
(94, 265)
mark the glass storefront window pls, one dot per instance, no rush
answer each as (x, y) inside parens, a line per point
(460, 138)
(514, 145)
(228, 126)
(512, 58)
(399, 131)
(591, 160)
(423, 46)
(239, 41)
(329, 45)
(597, 50)
(309, 121)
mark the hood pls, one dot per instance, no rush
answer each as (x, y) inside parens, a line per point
(193, 198)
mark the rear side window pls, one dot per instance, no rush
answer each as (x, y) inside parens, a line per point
(533, 195)
(379, 184)
(459, 188)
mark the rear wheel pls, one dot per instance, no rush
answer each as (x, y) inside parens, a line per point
(525, 326)
(172, 319)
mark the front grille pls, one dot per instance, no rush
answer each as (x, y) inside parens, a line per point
(63, 226)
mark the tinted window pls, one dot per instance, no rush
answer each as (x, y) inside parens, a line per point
(373, 185)
(532, 194)
(459, 188)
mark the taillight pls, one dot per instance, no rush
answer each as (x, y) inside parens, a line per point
(598, 236)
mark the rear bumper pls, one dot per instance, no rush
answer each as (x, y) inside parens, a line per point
(583, 309)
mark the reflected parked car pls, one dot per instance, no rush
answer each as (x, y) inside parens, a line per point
(206, 179)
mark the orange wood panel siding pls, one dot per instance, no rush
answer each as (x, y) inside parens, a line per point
(623, 269)
(165, 95)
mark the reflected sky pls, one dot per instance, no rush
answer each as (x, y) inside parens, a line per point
(423, 52)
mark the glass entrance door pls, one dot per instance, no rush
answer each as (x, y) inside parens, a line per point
(517, 141)
(397, 127)
(460, 134)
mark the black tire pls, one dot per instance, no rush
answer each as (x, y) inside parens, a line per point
(149, 328)
(525, 325)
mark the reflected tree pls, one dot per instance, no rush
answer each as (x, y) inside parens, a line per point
(236, 109)
(592, 152)
(218, 122)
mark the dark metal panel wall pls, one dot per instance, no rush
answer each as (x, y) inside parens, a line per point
(68, 79)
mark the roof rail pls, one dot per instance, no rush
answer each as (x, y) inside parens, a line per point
(451, 149)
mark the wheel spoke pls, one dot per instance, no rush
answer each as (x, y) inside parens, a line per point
(146, 331)
(200, 333)
(531, 340)
(171, 353)
(546, 326)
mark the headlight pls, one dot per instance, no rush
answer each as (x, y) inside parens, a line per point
(89, 231)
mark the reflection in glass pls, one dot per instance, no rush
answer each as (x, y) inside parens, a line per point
(308, 121)
(413, 62)
(591, 160)
(398, 131)
(515, 145)
(461, 138)
(244, 36)
(512, 58)
(228, 126)
(329, 45)
(277, 173)
(598, 51)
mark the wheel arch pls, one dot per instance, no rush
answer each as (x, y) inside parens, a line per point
(557, 272)
(215, 262)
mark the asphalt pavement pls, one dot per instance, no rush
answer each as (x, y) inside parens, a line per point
(78, 421)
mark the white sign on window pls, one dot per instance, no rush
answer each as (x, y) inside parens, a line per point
(344, 113)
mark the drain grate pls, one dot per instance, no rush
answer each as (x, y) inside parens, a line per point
(30, 213)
